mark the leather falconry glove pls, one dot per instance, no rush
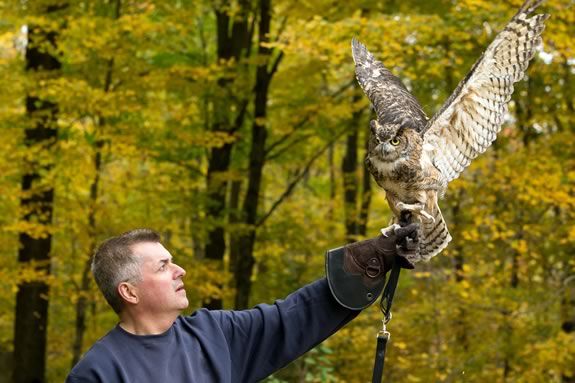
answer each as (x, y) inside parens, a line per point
(356, 272)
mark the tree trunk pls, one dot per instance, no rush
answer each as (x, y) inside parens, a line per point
(523, 114)
(365, 196)
(245, 261)
(460, 322)
(568, 320)
(217, 189)
(568, 299)
(231, 46)
(83, 292)
(332, 181)
(234, 219)
(349, 171)
(30, 324)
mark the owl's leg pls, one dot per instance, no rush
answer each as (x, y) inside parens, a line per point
(416, 208)
(434, 181)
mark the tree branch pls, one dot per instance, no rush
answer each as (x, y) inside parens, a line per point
(276, 64)
(286, 136)
(251, 30)
(303, 121)
(289, 146)
(297, 179)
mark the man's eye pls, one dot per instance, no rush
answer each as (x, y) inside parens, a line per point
(163, 267)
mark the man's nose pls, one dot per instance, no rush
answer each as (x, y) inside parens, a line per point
(179, 271)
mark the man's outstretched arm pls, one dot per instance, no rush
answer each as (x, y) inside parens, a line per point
(266, 338)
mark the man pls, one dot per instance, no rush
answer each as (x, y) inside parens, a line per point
(154, 343)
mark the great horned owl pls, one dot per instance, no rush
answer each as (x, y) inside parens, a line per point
(414, 158)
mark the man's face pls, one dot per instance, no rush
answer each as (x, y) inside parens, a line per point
(161, 289)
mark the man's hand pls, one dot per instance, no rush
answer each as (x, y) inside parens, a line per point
(373, 258)
(356, 272)
(407, 242)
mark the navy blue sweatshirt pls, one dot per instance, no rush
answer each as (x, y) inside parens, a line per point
(218, 346)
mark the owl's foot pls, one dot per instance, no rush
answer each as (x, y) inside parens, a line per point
(416, 208)
(387, 231)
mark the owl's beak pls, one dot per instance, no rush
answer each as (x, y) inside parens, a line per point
(382, 150)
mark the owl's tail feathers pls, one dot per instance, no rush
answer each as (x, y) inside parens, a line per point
(434, 236)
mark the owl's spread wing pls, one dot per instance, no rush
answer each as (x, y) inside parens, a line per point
(469, 121)
(391, 100)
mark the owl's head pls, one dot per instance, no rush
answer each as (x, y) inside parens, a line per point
(389, 142)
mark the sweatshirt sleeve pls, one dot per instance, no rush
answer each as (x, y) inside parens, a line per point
(264, 339)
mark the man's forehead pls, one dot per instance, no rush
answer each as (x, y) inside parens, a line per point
(150, 251)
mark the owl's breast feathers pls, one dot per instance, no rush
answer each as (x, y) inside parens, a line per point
(400, 177)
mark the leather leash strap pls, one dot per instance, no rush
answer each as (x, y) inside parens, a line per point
(383, 335)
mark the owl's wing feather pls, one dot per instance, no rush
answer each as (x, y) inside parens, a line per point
(470, 119)
(391, 100)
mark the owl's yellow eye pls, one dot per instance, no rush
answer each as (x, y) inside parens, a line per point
(394, 141)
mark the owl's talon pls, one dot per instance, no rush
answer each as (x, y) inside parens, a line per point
(416, 208)
(386, 231)
(410, 207)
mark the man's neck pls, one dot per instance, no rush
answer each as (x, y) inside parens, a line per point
(146, 325)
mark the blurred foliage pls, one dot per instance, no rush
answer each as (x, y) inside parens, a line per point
(140, 88)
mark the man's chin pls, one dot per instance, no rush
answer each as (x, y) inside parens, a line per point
(185, 304)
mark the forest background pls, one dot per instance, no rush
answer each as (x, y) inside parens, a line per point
(237, 130)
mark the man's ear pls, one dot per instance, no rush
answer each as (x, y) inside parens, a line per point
(128, 292)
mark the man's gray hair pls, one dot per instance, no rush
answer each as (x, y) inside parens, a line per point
(114, 263)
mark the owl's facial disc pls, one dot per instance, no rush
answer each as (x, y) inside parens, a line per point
(388, 139)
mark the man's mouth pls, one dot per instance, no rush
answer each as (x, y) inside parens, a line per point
(181, 287)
